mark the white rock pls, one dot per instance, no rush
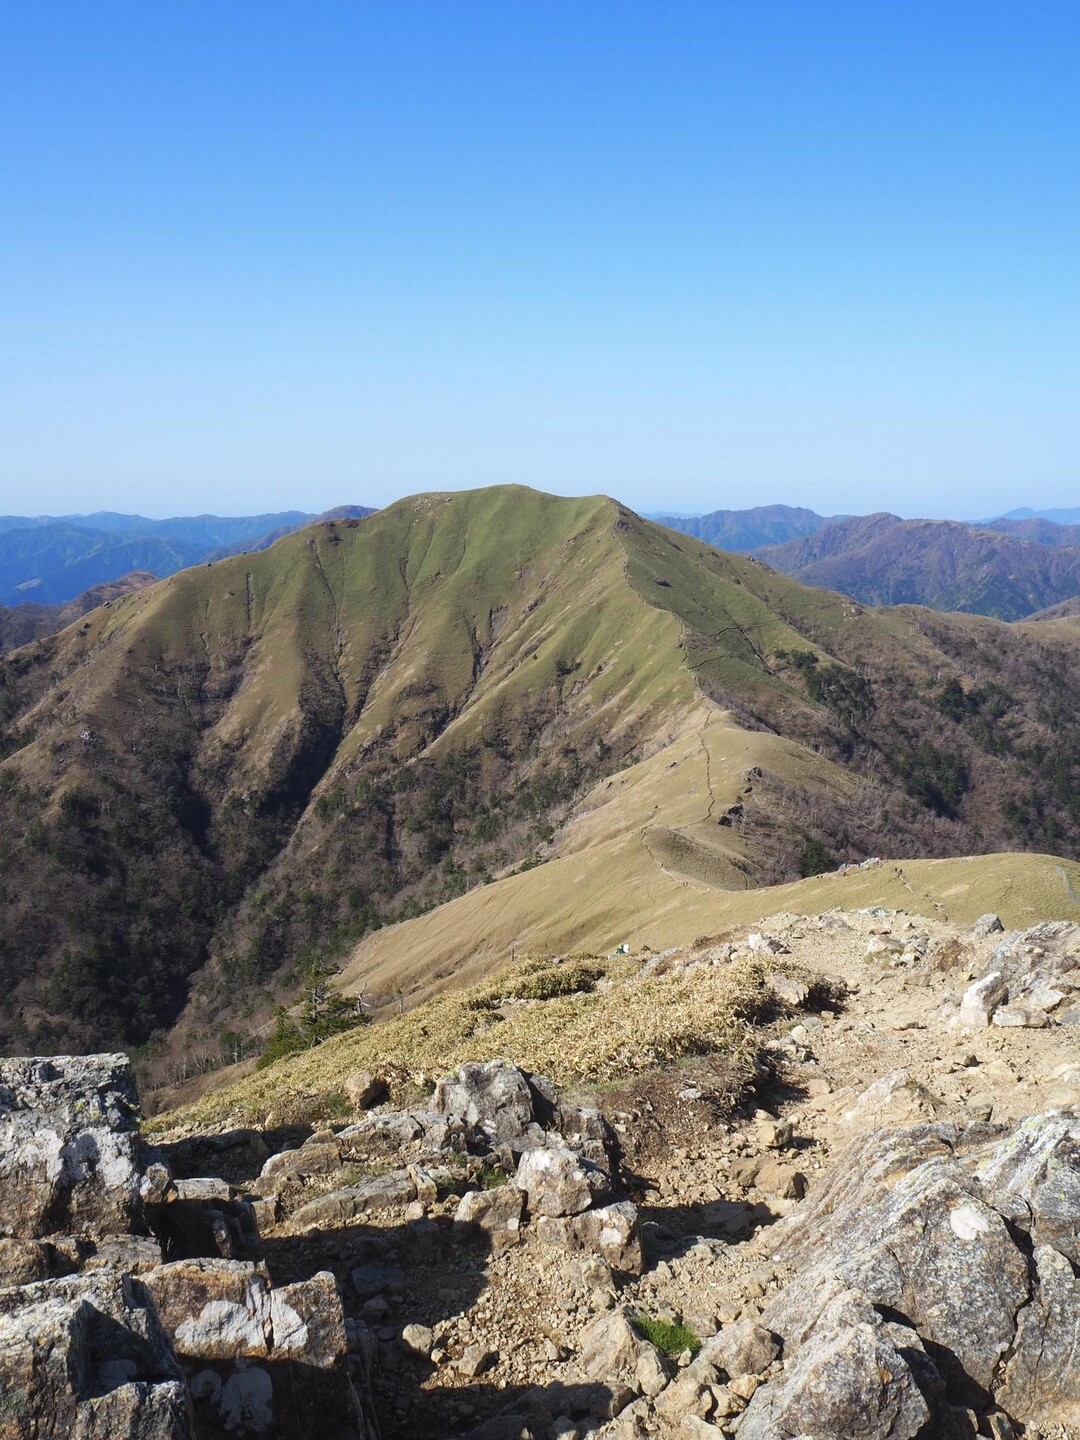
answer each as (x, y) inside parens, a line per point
(982, 999)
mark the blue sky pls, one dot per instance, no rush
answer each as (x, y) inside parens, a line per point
(263, 255)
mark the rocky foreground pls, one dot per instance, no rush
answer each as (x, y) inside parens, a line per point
(883, 1241)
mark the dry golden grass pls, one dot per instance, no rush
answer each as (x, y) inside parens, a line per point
(632, 1021)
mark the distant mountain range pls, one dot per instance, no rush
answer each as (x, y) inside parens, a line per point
(51, 560)
(744, 530)
(19, 624)
(1008, 567)
(884, 560)
(1059, 517)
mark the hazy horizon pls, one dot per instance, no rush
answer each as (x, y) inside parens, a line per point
(261, 257)
(653, 513)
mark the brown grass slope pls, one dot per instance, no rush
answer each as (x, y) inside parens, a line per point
(261, 763)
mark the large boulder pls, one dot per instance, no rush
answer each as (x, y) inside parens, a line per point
(88, 1357)
(559, 1181)
(202, 1346)
(497, 1213)
(492, 1100)
(1032, 1177)
(935, 1267)
(903, 1221)
(981, 999)
(1032, 980)
(371, 1196)
(612, 1350)
(852, 1381)
(1042, 1375)
(214, 1309)
(611, 1231)
(69, 1146)
(274, 1355)
(742, 1348)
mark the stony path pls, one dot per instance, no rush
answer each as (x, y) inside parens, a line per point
(467, 1332)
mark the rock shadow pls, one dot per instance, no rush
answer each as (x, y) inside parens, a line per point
(424, 1273)
(234, 1155)
(668, 1231)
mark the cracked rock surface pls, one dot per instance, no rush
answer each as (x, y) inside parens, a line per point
(103, 1334)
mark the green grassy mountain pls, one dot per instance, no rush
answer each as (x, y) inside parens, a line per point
(883, 560)
(246, 767)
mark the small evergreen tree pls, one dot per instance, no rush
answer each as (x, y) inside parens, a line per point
(322, 1013)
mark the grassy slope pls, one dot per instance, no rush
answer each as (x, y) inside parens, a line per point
(643, 857)
(617, 875)
(266, 684)
(627, 1023)
(274, 694)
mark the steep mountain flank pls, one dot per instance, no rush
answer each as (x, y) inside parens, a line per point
(1067, 610)
(883, 560)
(270, 756)
(250, 767)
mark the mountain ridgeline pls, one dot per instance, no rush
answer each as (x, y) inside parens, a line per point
(246, 768)
(19, 624)
(50, 561)
(744, 530)
(1007, 568)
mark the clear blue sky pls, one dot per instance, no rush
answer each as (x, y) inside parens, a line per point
(698, 255)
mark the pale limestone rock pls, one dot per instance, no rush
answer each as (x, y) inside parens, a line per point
(685, 1396)
(849, 1380)
(69, 1146)
(988, 924)
(497, 1212)
(557, 1181)
(364, 1089)
(742, 1348)
(611, 1349)
(788, 989)
(368, 1197)
(981, 999)
(493, 1100)
(65, 1341)
(1042, 1376)
(1020, 1016)
(214, 1309)
(420, 1339)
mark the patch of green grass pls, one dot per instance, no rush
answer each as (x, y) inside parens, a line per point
(490, 1177)
(337, 1106)
(352, 1175)
(672, 1339)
